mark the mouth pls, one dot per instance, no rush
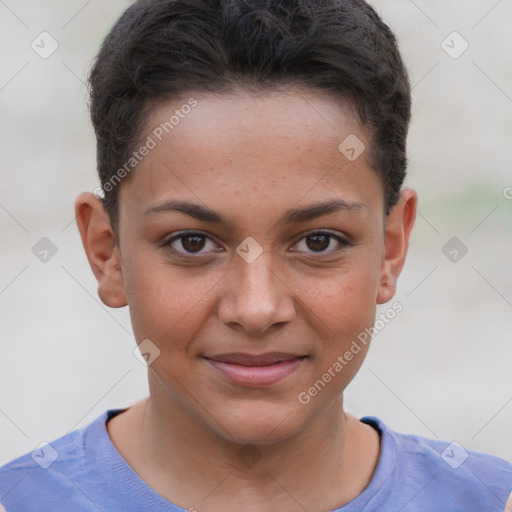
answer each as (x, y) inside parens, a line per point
(256, 370)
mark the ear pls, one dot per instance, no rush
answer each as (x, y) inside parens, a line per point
(399, 223)
(99, 241)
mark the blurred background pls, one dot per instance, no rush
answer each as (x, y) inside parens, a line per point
(441, 368)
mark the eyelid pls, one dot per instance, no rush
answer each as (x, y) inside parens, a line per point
(178, 234)
(342, 240)
(167, 241)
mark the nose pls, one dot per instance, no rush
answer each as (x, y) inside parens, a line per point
(256, 298)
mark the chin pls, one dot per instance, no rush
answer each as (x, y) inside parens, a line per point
(260, 424)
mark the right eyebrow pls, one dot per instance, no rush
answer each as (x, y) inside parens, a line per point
(199, 212)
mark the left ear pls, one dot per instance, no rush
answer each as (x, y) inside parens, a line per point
(399, 223)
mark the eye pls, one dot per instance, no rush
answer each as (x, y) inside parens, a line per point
(321, 242)
(191, 243)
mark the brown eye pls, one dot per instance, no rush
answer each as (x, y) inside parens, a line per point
(318, 242)
(321, 242)
(191, 243)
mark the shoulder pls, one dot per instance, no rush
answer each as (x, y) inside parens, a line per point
(52, 470)
(430, 471)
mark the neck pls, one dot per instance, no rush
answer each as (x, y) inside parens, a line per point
(325, 465)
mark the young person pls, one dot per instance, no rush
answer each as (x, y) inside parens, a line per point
(251, 156)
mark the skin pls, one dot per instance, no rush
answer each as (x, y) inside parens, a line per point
(249, 158)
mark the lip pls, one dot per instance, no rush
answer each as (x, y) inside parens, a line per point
(256, 370)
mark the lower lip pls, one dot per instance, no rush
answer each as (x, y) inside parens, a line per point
(257, 375)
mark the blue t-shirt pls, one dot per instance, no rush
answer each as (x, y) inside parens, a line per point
(82, 471)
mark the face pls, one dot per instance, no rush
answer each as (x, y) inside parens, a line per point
(253, 253)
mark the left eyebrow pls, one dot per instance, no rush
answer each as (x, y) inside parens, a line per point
(295, 215)
(319, 209)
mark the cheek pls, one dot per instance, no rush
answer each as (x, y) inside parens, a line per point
(340, 309)
(166, 304)
(343, 311)
(344, 297)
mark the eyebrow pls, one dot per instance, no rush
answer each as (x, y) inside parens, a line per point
(205, 214)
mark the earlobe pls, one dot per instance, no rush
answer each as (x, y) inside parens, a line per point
(399, 224)
(100, 245)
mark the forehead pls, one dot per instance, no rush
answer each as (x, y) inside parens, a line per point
(290, 114)
(281, 145)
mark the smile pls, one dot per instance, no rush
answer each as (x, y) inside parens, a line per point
(256, 370)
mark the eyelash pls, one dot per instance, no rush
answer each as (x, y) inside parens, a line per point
(343, 243)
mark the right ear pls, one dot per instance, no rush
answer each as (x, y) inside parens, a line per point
(99, 241)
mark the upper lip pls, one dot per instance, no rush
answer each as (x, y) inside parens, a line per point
(254, 359)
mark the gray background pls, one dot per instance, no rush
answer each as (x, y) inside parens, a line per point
(441, 368)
